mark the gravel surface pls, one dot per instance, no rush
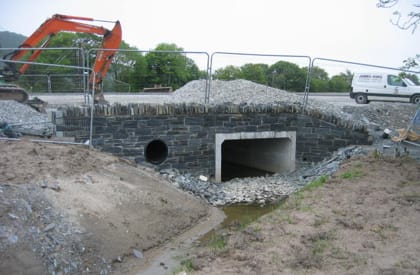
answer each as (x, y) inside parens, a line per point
(23, 119)
(31, 219)
(260, 190)
(247, 92)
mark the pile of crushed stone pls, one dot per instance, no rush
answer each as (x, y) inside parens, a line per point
(242, 91)
(24, 119)
(234, 91)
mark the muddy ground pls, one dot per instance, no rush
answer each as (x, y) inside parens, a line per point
(65, 209)
(365, 219)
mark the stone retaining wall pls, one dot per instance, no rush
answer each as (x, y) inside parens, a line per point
(189, 130)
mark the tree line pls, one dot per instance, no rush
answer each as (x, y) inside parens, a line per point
(166, 65)
(287, 76)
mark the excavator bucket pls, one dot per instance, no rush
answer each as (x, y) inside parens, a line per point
(13, 92)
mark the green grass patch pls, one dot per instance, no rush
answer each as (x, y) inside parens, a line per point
(320, 221)
(288, 219)
(321, 242)
(217, 242)
(295, 200)
(316, 183)
(186, 265)
(352, 174)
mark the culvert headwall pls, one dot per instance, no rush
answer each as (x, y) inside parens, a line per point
(184, 136)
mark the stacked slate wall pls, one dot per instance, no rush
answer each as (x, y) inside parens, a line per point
(189, 130)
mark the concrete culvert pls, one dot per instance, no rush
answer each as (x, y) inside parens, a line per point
(156, 151)
(251, 154)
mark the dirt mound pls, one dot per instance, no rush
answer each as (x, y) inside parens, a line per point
(23, 162)
(68, 209)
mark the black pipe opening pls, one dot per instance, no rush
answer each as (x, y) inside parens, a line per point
(156, 151)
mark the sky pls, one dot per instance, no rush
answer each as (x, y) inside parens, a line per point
(352, 30)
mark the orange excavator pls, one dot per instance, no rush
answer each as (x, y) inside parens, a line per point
(40, 38)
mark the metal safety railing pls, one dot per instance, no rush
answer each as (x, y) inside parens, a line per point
(92, 93)
(86, 71)
(209, 65)
(199, 53)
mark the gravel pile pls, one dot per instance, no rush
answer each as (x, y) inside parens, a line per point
(247, 92)
(244, 92)
(23, 119)
(234, 91)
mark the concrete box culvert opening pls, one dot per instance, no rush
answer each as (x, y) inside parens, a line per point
(156, 151)
(248, 154)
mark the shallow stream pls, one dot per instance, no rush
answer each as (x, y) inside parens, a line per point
(240, 215)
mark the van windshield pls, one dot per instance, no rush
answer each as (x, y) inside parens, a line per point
(409, 82)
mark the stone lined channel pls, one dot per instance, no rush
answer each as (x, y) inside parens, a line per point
(259, 190)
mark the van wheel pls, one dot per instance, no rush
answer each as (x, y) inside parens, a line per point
(415, 99)
(361, 99)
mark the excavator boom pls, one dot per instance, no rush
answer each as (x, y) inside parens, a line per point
(41, 37)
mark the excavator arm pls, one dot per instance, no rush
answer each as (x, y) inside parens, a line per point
(59, 23)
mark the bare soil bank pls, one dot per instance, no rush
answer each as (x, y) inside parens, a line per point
(363, 220)
(65, 208)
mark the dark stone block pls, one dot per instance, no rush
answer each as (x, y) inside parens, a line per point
(120, 135)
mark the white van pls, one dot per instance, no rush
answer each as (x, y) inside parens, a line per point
(369, 85)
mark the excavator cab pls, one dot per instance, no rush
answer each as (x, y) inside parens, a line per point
(40, 38)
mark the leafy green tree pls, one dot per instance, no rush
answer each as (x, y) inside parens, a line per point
(319, 86)
(121, 71)
(169, 67)
(255, 72)
(229, 72)
(318, 73)
(412, 62)
(287, 76)
(348, 76)
(339, 84)
(194, 71)
(319, 80)
(139, 74)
